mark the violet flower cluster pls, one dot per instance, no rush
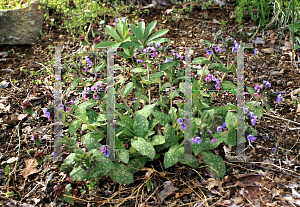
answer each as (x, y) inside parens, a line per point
(210, 78)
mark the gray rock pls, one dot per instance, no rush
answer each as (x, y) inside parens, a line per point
(21, 26)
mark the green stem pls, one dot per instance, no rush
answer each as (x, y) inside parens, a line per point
(148, 74)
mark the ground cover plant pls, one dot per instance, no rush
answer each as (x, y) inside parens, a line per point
(150, 122)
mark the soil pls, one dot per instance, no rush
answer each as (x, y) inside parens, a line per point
(256, 181)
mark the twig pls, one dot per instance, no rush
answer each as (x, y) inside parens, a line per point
(277, 117)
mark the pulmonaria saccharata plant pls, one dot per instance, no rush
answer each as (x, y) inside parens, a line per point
(150, 128)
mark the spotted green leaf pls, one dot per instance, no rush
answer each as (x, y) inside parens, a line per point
(121, 174)
(172, 156)
(74, 126)
(170, 135)
(127, 89)
(123, 155)
(158, 140)
(161, 117)
(140, 126)
(143, 147)
(214, 162)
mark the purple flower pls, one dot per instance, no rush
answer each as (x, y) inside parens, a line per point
(218, 49)
(267, 136)
(158, 45)
(54, 154)
(60, 106)
(180, 121)
(88, 61)
(251, 114)
(207, 79)
(149, 45)
(46, 113)
(273, 149)
(106, 153)
(257, 87)
(201, 132)
(213, 78)
(139, 61)
(213, 141)
(99, 84)
(217, 81)
(224, 125)
(168, 60)
(95, 96)
(154, 55)
(135, 56)
(103, 149)
(219, 128)
(209, 75)
(217, 86)
(172, 52)
(253, 121)
(71, 102)
(87, 171)
(246, 109)
(83, 94)
(255, 51)
(95, 75)
(134, 99)
(196, 140)
(234, 49)
(210, 132)
(68, 109)
(94, 88)
(278, 97)
(251, 138)
(209, 52)
(205, 49)
(183, 126)
(84, 69)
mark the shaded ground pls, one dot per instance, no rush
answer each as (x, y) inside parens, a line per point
(248, 183)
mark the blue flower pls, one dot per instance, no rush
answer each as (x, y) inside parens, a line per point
(88, 61)
(253, 121)
(54, 154)
(83, 94)
(251, 138)
(196, 140)
(251, 114)
(180, 121)
(219, 128)
(46, 113)
(218, 49)
(87, 171)
(224, 125)
(60, 106)
(139, 61)
(255, 51)
(212, 141)
(183, 126)
(257, 87)
(273, 149)
(209, 52)
(278, 97)
(210, 132)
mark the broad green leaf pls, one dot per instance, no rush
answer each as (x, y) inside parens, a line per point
(91, 143)
(172, 114)
(88, 104)
(92, 116)
(105, 44)
(139, 70)
(143, 147)
(123, 155)
(160, 40)
(140, 126)
(156, 35)
(191, 161)
(207, 114)
(121, 174)
(231, 139)
(141, 27)
(146, 111)
(136, 104)
(170, 136)
(152, 123)
(80, 112)
(251, 91)
(231, 119)
(257, 110)
(228, 85)
(168, 65)
(162, 118)
(74, 83)
(149, 29)
(214, 162)
(171, 157)
(78, 174)
(158, 140)
(127, 89)
(141, 95)
(74, 126)
(200, 60)
(218, 67)
(112, 32)
(137, 163)
(94, 134)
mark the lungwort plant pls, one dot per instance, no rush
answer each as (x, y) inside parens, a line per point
(154, 129)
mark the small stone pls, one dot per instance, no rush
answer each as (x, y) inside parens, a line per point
(281, 72)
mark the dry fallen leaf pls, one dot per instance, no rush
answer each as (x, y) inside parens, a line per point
(150, 171)
(13, 118)
(167, 191)
(30, 168)
(213, 182)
